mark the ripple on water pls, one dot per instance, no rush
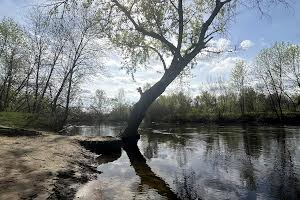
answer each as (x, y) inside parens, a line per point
(207, 162)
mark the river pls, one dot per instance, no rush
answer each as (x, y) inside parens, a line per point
(201, 161)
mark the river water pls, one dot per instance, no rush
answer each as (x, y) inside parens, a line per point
(198, 161)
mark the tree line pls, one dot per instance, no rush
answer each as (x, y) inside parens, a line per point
(43, 63)
(265, 90)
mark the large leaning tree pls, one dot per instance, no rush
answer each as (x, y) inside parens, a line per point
(176, 30)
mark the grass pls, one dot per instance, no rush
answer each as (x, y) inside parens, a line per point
(21, 120)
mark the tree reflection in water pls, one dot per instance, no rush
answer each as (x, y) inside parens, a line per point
(208, 162)
(286, 184)
(242, 151)
(148, 177)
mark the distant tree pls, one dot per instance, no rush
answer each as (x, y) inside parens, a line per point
(250, 99)
(12, 62)
(173, 107)
(121, 108)
(292, 69)
(38, 49)
(270, 71)
(207, 102)
(48, 41)
(238, 78)
(100, 103)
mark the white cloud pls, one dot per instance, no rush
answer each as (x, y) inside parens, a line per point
(225, 65)
(209, 66)
(221, 44)
(115, 79)
(246, 44)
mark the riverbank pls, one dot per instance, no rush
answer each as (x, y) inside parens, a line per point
(249, 118)
(43, 166)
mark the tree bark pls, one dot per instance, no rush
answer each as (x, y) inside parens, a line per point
(38, 107)
(66, 113)
(55, 59)
(38, 68)
(148, 97)
(10, 79)
(62, 85)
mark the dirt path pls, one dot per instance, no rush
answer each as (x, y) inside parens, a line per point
(42, 167)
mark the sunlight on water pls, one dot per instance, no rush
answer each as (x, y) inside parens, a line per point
(205, 162)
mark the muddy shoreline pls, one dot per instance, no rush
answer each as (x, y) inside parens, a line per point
(43, 166)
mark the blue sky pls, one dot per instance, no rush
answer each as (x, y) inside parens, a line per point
(15, 8)
(282, 25)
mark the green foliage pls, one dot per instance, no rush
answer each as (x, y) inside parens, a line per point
(175, 106)
(277, 69)
(120, 108)
(120, 113)
(209, 106)
(23, 120)
(238, 75)
(10, 31)
(145, 30)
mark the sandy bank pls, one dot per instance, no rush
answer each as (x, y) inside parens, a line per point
(43, 167)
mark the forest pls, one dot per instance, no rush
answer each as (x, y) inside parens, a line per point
(43, 66)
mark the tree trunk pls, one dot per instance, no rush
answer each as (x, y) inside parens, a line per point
(44, 90)
(38, 68)
(2, 91)
(10, 79)
(62, 85)
(66, 114)
(55, 59)
(147, 98)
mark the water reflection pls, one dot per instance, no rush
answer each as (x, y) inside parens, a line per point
(105, 129)
(147, 176)
(207, 162)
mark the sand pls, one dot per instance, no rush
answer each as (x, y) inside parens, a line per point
(43, 167)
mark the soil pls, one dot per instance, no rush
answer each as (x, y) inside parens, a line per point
(44, 166)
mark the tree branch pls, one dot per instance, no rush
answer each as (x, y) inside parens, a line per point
(180, 31)
(158, 53)
(205, 26)
(173, 4)
(201, 41)
(143, 30)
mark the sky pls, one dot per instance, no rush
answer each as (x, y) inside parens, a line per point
(250, 31)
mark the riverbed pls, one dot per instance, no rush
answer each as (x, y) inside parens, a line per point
(200, 161)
